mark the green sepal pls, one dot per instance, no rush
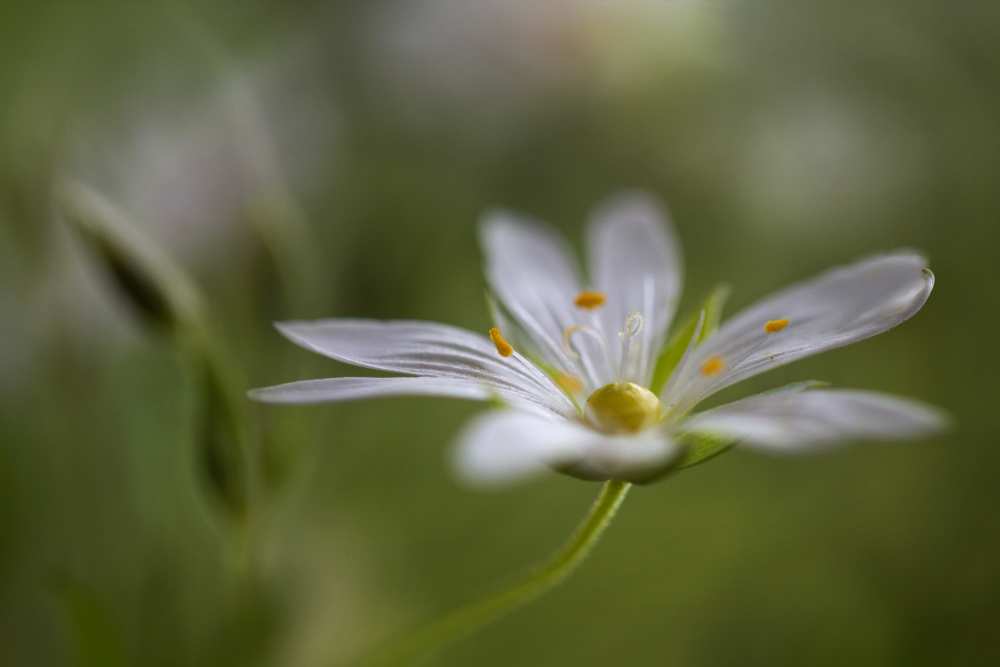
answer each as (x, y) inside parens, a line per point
(673, 351)
(692, 449)
(700, 447)
(497, 402)
(713, 307)
(496, 311)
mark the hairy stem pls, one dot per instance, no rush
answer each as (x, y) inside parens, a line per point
(466, 620)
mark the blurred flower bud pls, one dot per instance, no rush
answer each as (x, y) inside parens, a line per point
(164, 296)
(221, 439)
(144, 275)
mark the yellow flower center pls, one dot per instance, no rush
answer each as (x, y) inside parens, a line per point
(623, 407)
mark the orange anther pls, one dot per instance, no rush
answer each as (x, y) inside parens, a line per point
(774, 326)
(504, 348)
(589, 300)
(713, 366)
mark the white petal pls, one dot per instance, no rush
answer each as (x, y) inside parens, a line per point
(352, 388)
(635, 260)
(530, 269)
(427, 349)
(505, 445)
(837, 308)
(796, 420)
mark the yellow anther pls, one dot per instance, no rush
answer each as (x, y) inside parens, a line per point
(774, 326)
(713, 366)
(569, 383)
(503, 347)
(590, 300)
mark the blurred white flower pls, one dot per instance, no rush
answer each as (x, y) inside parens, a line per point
(581, 367)
(817, 158)
(199, 163)
(208, 169)
(502, 63)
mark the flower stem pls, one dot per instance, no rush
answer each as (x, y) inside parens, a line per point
(466, 620)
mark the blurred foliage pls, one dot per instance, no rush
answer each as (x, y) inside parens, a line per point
(310, 159)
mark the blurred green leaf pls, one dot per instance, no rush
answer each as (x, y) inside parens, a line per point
(163, 293)
(95, 636)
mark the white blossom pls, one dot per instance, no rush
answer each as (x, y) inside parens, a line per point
(576, 362)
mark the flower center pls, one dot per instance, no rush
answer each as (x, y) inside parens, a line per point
(623, 407)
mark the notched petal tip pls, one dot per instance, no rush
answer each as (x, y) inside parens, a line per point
(921, 296)
(929, 277)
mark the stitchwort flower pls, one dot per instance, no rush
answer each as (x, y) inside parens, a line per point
(593, 386)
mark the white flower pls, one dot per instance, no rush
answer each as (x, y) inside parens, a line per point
(595, 389)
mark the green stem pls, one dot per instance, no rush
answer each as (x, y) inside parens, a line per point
(466, 620)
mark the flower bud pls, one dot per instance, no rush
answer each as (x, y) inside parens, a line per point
(146, 277)
(221, 441)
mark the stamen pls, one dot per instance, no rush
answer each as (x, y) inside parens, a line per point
(713, 366)
(504, 348)
(590, 300)
(633, 325)
(584, 358)
(574, 329)
(631, 349)
(567, 340)
(571, 384)
(774, 326)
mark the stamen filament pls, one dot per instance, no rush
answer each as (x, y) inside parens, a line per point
(631, 352)
(567, 340)
(571, 384)
(583, 361)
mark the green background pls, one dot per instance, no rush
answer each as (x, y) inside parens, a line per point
(330, 159)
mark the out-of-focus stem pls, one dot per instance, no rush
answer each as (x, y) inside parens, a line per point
(477, 615)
